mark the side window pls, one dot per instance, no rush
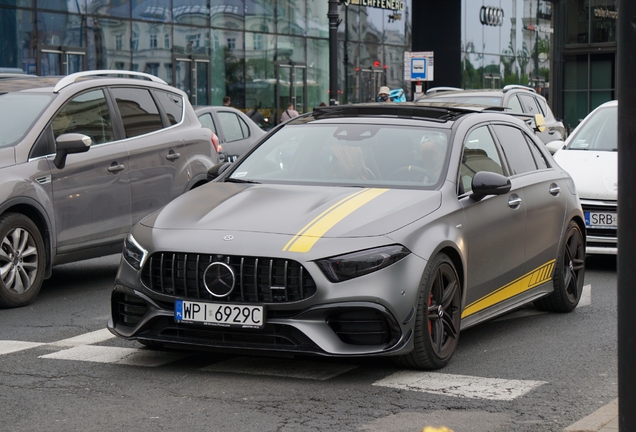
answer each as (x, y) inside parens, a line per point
(480, 154)
(542, 163)
(231, 126)
(208, 122)
(172, 104)
(138, 111)
(529, 104)
(514, 105)
(87, 114)
(516, 149)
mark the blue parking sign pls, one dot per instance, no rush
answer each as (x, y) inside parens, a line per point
(418, 68)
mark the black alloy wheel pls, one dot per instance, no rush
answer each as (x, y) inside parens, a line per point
(438, 317)
(22, 260)
(569, 273)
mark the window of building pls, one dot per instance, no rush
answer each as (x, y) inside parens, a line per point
(153, 41)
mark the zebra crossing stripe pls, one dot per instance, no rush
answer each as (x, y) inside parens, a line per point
(116, 355)
(459, 385)
(85, 339)
(9, 346)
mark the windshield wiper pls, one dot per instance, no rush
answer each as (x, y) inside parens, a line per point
(239, 180)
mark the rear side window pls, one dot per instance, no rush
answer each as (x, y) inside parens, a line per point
(86, 114)
(172, 104)
(529, 104)
(231, 124)
(516, 149)
(538, 156)
(208, 122)
(138, 111)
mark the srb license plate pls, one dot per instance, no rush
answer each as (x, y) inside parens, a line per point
(219, 314)
(601, 220)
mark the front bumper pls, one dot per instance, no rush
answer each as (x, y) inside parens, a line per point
(338, 329)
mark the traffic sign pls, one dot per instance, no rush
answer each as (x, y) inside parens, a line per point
(418, 66)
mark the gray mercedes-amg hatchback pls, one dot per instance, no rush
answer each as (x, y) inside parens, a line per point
(83, 158)
(374, 229)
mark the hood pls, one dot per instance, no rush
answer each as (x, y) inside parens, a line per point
(323, 211)
(595, 173)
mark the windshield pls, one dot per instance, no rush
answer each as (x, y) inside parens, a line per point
(365, 155)
(469, 99)
(17, 113)
(598, 133)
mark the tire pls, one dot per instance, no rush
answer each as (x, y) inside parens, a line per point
(569, 273)
(22, 260)
(438, 317)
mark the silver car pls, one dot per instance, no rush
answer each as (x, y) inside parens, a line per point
(373, 229)
(82, 159)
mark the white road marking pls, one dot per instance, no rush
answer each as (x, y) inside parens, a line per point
(9, 346)
(126, 356)
(281, 368)
(85, 339)
(459, 385)
(586, 296)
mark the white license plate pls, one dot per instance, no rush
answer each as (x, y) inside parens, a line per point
(601, 219)
(219, 314)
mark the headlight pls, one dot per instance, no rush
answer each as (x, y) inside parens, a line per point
(133, 253)
(352, 265)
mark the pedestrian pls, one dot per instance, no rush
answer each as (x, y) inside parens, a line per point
(227, 101)
(257, 117)
(383, 94)
(289, 113)
(322, 104)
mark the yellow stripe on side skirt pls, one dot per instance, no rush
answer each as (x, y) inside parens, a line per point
(305, 239)
(530, 280)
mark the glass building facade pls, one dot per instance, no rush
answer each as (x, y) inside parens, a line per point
(507, 42)
(263, 53)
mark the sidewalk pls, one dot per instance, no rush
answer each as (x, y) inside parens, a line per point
(605, 419)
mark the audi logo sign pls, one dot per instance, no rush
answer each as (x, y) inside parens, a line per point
(491, 16)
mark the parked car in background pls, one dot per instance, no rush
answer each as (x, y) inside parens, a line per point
(376, 229)
(83, 158)
(236, 131)
(517, 98)
(590, 156)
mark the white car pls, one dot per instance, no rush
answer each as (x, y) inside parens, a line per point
(590, 156)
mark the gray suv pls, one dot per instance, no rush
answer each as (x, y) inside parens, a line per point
(518, 99)
(82, 159)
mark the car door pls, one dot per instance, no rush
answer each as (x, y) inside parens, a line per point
(235, 132)
(531, 106)
(543, 192)
(495, 225)
(91, 194)
(158, 165)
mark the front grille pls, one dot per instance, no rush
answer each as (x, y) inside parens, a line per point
(257, 279)
(363, 327)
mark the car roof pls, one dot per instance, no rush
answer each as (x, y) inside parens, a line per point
(56, 84)
(403, 110)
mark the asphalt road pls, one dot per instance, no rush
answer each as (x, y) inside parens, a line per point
(60, 370)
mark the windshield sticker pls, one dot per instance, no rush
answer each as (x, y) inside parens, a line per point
(239, 174)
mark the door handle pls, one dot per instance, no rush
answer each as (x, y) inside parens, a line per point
(514, 201)
(115, 167)
(173, 156)
(555, 189)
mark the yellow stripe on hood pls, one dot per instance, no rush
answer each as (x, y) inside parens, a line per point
(305, 239)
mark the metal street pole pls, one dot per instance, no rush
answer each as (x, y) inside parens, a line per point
(333, 16)
(626, 298)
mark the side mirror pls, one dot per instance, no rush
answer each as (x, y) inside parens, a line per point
(69, 143)
(489, 183)
(217, 170)
(555, 146)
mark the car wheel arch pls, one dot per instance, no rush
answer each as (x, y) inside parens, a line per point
(37, 215)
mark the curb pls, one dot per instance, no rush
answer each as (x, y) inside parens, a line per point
(596, 420)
